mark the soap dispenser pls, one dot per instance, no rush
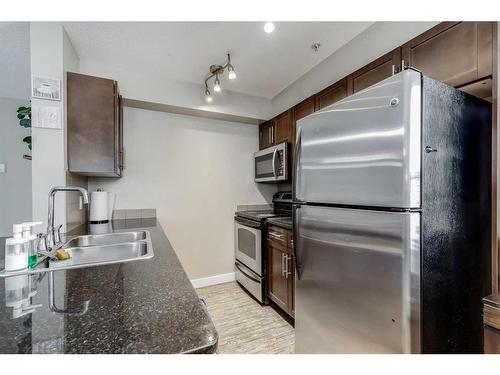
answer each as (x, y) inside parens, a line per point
(16, 250)
(32, 242)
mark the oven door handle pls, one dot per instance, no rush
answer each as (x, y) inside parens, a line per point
(242, 270)
(247, 223)
(274, 162)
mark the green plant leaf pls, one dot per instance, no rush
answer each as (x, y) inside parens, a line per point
(24, 109)
(29, 146)
(26, 122)
(27, 139)
(21, 115)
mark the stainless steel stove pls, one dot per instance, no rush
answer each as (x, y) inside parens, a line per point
(249, 229)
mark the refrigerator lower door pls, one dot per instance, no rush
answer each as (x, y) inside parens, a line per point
(365, 149)
(358, 287)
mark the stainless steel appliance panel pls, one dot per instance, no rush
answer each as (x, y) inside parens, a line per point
(271, 164)
(249, 280)
(358, 286)
(363, 150)
(248, 245)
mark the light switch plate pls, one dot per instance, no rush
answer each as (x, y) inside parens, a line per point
(3, 168)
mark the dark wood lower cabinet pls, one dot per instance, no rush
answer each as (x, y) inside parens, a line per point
(278, 284)
(280, 269)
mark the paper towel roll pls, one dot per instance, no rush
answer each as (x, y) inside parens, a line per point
(99, 209)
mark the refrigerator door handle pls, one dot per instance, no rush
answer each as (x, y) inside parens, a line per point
(296, 164)
(295, 234)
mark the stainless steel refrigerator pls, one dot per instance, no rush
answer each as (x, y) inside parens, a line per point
(392, 220)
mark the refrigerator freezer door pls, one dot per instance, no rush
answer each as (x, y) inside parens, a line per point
(358, 289)
(365, 149)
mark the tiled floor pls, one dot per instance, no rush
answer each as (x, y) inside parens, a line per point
(244, 326)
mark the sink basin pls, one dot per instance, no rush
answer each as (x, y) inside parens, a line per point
(103, 254)
(96, 250)
(105, 239)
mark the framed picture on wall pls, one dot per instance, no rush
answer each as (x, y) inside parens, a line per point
(46, 88)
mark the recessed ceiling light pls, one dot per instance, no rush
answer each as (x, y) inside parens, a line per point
(269, 27)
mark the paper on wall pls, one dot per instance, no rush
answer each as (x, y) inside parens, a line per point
(46, 116)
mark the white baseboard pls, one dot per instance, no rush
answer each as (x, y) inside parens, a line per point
(213, 280)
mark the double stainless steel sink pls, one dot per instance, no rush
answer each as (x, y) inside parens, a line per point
(97, 250)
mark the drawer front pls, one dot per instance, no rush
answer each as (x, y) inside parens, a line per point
(279, 236)
(491, 316)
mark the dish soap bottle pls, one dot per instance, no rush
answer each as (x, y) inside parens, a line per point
(16, 250)
(32, 242)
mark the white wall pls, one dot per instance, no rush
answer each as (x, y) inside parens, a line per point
(153, 88)
(194, 171)
(48, 167)
(15, 185)
(372, 43)
(52, 55)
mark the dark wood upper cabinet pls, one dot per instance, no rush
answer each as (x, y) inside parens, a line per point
(301, 110)
(283, 127)
(331, 94)
(95, 126)
(266, 134)
(378, 70)
(276, 130)
(455, 53)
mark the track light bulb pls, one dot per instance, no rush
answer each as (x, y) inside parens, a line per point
(232, 74)
(217, 87)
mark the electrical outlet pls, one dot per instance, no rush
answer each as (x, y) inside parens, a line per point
(3, 168)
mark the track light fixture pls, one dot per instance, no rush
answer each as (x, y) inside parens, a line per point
(216, 71)
(207, 95)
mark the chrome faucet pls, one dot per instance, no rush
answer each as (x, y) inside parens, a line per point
(53, 238)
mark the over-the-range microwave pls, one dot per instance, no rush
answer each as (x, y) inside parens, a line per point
(271, 164)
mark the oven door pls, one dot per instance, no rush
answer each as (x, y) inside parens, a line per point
(271, 164)
(248, 245)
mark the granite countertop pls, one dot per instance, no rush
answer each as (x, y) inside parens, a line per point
(281, 221)
(146, 306)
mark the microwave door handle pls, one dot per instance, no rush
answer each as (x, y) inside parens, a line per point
(274, 162)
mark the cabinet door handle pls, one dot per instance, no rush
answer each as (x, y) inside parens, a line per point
(282, 265)
(276, 236)
(403, 67)
(287, 272)
(286, 266)
(393, 69)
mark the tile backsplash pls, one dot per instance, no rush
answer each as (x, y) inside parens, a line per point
(74, 216)
(136, 213)
(254, 207)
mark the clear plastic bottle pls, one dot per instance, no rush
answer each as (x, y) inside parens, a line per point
(32, 242)
(16, 250)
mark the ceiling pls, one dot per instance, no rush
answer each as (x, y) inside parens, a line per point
(15, 65)
(183, 51)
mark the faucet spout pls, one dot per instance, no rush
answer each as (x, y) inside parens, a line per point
(50, 220)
